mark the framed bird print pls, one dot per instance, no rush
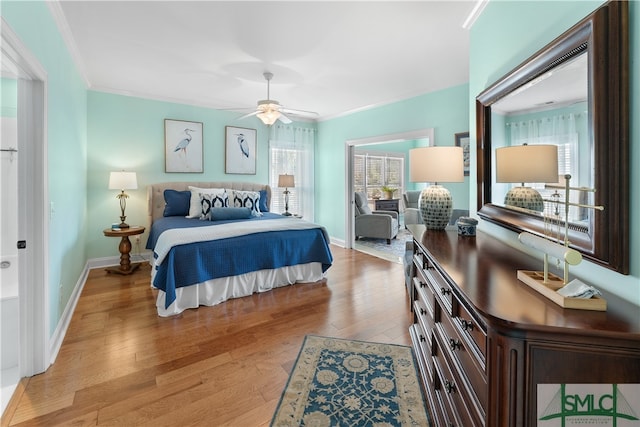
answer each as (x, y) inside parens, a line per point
(183, 146)
(240, 150)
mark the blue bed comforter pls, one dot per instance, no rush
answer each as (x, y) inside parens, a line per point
(192, 263)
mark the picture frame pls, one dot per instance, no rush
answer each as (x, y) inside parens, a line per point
(183, 146)
(462, 140)
(240, 150)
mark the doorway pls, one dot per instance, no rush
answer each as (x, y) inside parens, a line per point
(25, 221)
(350, 147)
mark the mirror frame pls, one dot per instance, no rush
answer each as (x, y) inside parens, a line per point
(604, 34)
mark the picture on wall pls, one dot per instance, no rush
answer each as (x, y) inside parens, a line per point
(240, 150)
(183, 146)
(462, 140)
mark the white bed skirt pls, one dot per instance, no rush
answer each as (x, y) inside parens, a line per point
(215, 291)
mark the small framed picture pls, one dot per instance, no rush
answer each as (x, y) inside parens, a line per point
(462, 140)
(183, 146)
(240, 150)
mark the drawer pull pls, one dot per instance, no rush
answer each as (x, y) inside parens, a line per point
(455, 344)
(449, 386)
(445, 291)
(467, 325)
(422, 285)
(422, 338)
(423, 311)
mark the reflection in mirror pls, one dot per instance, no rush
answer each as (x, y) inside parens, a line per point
(550, 109)
(573, 93)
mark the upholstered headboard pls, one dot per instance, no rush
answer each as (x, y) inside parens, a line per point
(155, 193)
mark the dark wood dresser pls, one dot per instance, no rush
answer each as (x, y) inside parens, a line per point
(485, 341)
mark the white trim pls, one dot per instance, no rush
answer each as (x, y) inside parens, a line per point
(475, 13)
(33, 202)
(65, 30)
(349, 147)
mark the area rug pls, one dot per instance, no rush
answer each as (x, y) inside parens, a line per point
(337, 382)
(379, 247)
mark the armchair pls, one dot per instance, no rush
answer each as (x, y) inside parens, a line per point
(411, 212)
(376, 224)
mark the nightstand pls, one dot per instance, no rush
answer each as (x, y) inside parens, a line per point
(125, 248)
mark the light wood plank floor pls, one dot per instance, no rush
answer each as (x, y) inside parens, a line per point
(121, 364)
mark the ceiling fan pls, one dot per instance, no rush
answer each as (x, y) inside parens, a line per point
(270, 110)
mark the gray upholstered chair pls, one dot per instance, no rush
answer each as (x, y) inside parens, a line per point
(411, 211)
(376, 224)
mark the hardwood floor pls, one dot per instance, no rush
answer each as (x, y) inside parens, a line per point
(216, 366)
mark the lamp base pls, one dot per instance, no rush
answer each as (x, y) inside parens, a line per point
(122, 223)
(286, 214)
(435, 206)
(525, 198)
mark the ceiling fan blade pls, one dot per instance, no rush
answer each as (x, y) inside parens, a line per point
(284, 119)
(302, 113)
(253, 113)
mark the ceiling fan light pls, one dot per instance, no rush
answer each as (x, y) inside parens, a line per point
(269, 116)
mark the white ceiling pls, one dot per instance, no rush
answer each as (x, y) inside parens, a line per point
(332, 57)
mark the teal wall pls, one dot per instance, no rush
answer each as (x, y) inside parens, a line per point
(8, 97)
(506, 34)
(128, 133)
(446, 111)
(67, 147)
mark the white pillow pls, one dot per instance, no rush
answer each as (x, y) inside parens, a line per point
(246, 199)
(195, 207)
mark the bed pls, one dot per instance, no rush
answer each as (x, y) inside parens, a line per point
(205, 259)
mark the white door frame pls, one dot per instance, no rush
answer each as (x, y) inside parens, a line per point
(33, 205)
(349, 150)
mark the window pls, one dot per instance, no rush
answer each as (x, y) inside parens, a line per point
(373, 170)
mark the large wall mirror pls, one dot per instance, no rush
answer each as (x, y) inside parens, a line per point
(573, 93)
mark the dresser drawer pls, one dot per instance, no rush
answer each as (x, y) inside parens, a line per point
(425, 294)
(474, 378)
(441, 288)
(472, 331)
(447, 385)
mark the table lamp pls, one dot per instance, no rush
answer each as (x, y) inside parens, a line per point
(286, 181)
(526, 163)
(123, 181)
(436, 164)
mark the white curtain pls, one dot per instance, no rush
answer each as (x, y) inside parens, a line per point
(291, 151)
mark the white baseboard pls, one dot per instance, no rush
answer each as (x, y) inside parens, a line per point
(337, 242)
(61, 330)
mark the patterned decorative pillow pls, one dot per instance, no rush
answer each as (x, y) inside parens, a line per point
(209, 201)
(195, 206)
(246, 199)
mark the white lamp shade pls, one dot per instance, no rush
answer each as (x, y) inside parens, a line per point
(286, 181)
(436, 164)
(123, 181)
(527, 163)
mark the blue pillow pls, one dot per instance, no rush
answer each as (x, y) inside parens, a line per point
(263, 201)
(176, 203)
(229, 213)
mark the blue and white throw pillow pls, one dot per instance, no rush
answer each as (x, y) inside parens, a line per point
(212, 200)
(195, 206)
(246, 199)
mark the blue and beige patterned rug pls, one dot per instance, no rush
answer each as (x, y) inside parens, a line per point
(379, 247)
(337, 382)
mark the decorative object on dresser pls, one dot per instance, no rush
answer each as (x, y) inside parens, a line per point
(351, 383)
(286, 181)
(183, 146)
(530, 164)
(485, 341)
(123, 181)
(240, 150)
(436, 164)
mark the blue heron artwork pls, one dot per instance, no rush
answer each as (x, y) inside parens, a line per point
(183, 146)
(240, 154)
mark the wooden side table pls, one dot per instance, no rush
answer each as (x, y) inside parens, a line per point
(125, 248)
